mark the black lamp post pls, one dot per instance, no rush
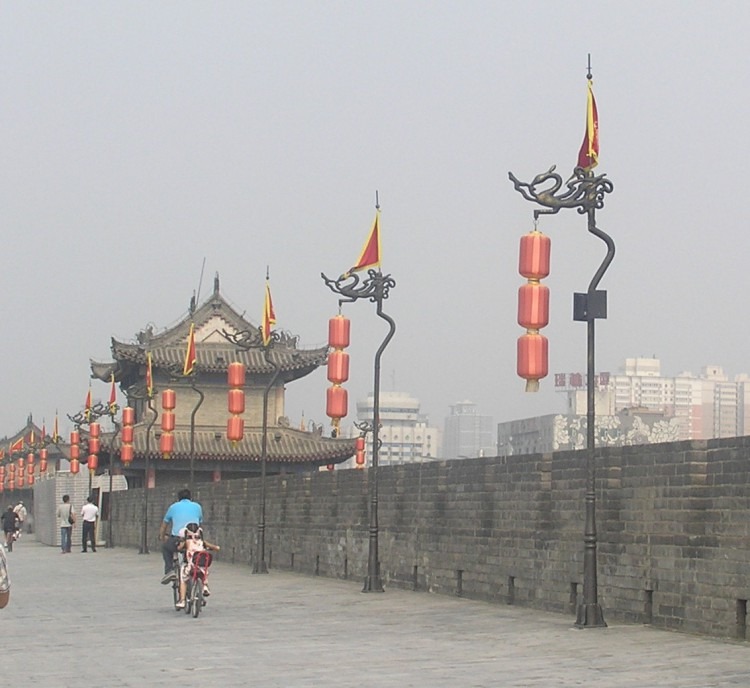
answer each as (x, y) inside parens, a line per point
(246, 340)
(147, 467)
(86, 417)
(374, 288)
(585, 192)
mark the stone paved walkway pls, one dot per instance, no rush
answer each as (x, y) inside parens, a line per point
(103, 619)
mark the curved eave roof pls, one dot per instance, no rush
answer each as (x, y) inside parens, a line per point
(214, 358)
(284, 445)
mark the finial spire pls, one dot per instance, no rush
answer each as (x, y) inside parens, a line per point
(377, 201)
(589, 76)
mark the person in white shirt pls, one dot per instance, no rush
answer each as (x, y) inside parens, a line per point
(89, 512)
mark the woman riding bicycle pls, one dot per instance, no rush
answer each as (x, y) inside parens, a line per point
(192, 542)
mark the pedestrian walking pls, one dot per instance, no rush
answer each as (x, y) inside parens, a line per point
(20, 509)
(89, 513)
(10, 526)
(65, 519)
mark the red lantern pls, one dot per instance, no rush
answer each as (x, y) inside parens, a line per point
(166, 445)
(337, 401)
(532, 359)
(75, 437)
(533, 309)
(127, 434)
(126, 453)
(168, 400)
(42, 466)
(235, 428)
(30, 479)
(30, 459)
(338, 332)
(533, 261)
(93, 462)
(93, 445)
(74, 466)
(167, 421)
(236, 374)
(360, 444)
(20, 464)
(338, 367)
(533, 306)
(128, 415)
(20, 478)
(236, 401)
(94, 429)
(75, 451)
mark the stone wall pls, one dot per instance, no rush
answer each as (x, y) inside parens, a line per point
(673, 529)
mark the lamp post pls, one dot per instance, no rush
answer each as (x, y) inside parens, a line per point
(246, 340)
(201, 396)
(584, 192)
(375, 288)
(146, 470)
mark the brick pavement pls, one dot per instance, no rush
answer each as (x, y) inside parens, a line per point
(103, 620)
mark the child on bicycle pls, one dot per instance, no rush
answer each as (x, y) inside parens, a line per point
(191, 541)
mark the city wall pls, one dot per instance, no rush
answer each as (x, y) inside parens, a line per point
(673, 526)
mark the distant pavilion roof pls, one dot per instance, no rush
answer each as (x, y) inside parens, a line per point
(213, 351)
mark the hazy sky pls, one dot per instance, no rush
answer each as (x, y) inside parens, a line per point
(140, 138)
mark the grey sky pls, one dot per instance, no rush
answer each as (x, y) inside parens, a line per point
(140, 137)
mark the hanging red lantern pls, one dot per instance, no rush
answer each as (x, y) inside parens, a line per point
(75, 437)
(338, 332)
(20, 464)
(236, 374)
(93, 462)
(534, 256)
(235, 428)
(128, 416)
(236, 401)
(337, 401)
(338, 366)
(75, 466)
(168, 400)
(20, 479)
(94, 429)
(533, 309)
(166, 444)
(94, 445)
(338, 370)
(532, 359)
(42, 461)
(126, 453)
(167, 421)
(30, 479)
(533, 306)
(128, 434)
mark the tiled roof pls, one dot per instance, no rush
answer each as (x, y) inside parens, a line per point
(284, 445)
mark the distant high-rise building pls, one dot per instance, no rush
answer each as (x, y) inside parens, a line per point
(638, 406)
(468, 434)
(405, 433)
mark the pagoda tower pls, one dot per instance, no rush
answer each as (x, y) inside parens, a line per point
(200, 441)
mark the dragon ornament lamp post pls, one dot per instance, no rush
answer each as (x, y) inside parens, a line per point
(247, 340)
(92, 415)
(146, 470)
(584, 191)
(375, 288)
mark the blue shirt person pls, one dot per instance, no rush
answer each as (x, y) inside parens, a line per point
(178, 515)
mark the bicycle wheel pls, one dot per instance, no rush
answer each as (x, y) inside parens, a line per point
(196, 597)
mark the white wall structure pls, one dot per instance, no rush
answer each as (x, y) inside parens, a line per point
(405, 434)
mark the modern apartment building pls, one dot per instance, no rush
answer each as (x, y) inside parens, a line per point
(405, 433)
(638, 406)
(468, 434)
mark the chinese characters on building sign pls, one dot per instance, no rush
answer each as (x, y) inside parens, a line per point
(569, 381)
